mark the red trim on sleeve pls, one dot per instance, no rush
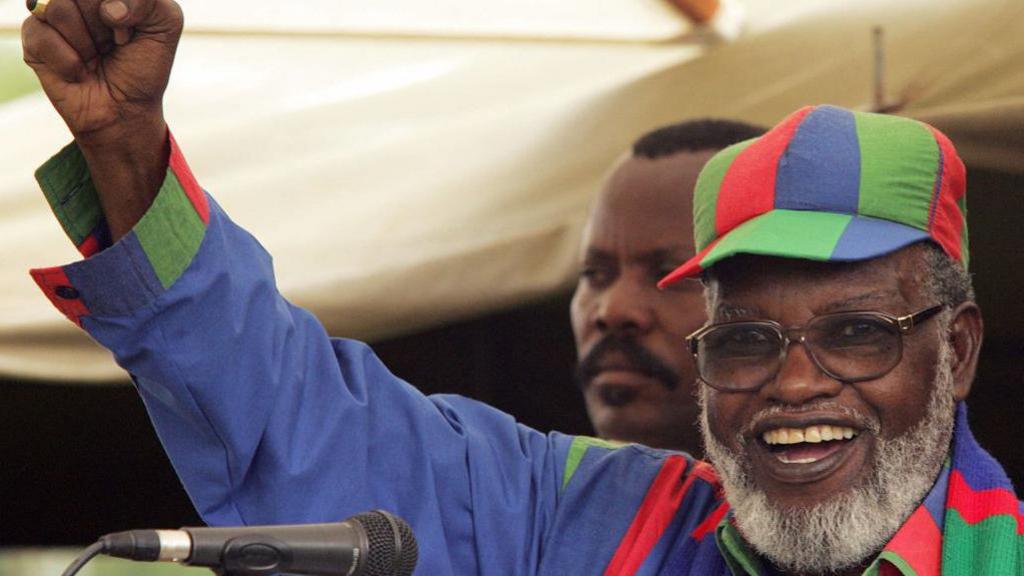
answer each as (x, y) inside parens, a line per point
(89, 246)
(654, 515)
(188, 182)
(55, 284)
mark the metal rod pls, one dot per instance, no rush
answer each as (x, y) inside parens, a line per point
(878, 34)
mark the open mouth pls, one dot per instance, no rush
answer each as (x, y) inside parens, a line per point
(798, 454)
(807, 445)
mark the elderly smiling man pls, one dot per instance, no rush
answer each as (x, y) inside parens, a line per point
(843, 335)
(842, 344)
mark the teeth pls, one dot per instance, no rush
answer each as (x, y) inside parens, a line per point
(811, 434)
(786, 460)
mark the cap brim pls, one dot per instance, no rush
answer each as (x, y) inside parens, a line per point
(802, 234)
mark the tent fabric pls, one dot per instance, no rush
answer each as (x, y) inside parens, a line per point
(410, 169)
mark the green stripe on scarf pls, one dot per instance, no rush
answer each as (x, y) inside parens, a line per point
(991, 547)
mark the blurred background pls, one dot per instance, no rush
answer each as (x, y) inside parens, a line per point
(421, 173)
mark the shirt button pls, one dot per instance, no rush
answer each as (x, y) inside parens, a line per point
(67, 292)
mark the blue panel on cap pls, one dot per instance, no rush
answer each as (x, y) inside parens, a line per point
(821, 168)
(869, 237)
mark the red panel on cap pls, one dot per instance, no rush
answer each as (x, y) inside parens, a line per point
(748, 188)
(690, 268)
(947, 221)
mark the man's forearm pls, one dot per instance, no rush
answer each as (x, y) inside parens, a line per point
(127, 171)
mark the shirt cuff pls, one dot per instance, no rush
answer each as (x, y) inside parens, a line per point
(117, 279)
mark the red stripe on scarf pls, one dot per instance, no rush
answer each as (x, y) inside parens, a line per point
(977, 505)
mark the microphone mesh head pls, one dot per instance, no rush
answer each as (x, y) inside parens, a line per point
(410, 551)
(393, 550)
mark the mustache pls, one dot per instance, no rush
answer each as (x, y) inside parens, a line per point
(638, 357)
(870, 424)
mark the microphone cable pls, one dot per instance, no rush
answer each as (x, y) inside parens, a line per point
(88, 554)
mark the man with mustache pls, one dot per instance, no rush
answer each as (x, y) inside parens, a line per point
(842, 344)
(637, 380)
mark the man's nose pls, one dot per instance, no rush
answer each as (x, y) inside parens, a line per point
(625, 308)
(799, 379)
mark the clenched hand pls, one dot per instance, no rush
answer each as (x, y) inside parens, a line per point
(104, 64)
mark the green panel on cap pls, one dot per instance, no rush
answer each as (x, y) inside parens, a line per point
(705, 195)
(784, 233)
(899, 162)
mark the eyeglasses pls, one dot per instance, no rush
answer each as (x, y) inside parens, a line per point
(847, 346)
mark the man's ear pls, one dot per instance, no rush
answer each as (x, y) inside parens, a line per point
(965, 335)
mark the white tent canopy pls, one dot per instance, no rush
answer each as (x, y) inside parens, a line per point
(412, 163)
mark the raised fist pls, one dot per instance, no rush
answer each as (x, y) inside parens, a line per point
(104, 64)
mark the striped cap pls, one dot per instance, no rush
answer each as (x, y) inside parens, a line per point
(830, 184)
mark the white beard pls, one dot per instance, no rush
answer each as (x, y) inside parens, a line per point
(853, 526)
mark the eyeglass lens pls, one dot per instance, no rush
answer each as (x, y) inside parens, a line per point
(850, 347)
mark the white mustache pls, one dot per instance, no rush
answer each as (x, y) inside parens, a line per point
(869, 423)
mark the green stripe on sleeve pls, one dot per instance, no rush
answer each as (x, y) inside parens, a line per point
(578, 448)
(898, 162)
(68, 187)
(705, 195)
(170, 232)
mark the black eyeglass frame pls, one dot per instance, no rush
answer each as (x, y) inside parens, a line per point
(903, 324)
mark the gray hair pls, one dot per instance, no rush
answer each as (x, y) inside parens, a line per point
(943, 280)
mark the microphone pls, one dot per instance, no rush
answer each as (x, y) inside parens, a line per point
(373, 543)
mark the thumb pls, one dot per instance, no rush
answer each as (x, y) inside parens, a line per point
(123, 16)
(115, 13)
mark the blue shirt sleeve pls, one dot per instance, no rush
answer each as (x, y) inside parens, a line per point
(268, 420)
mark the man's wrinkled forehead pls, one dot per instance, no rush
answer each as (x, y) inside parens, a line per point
(744, 286)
